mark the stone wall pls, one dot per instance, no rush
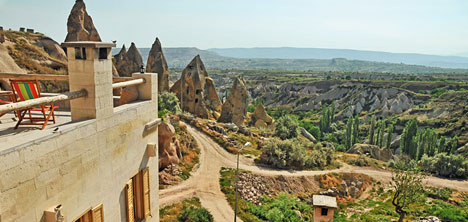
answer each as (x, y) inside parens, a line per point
(81, 167)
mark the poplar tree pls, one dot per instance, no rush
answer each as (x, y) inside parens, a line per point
(355, 130)
(372, 131)
(349, 128)
(391, 127)
(408, 144)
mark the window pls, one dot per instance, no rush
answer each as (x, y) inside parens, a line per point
(138, 196)
(324, 211)
(92, 215)
(196, 100)
(103, 53)
(80, 53)
(198, 91)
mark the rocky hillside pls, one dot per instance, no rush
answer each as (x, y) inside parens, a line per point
(31, 53)
(22, 52)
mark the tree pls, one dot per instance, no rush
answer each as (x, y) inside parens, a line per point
(286, 127)
(408, 188)
(407, 143)
(328, 116)
(391, 127)
(355, 130)
(380, 133)
(349, 133)
(372, 131)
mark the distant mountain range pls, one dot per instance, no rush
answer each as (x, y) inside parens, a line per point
(318, 53)
(296, 59)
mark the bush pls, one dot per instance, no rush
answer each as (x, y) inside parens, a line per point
(292, 154)
(192, 214)
(446, 165)
(168, 102)
(286, 127)
(283, 154)
(282, 208)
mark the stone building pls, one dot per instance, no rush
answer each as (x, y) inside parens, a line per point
(100, 164)
(324, 208)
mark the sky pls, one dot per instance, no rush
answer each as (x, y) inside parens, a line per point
(417, 26)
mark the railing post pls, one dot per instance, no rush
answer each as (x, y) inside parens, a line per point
(90, 68)
(149, 89)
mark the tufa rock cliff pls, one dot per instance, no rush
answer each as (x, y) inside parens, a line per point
(80, 25)
(128, 62)
(199, 95)
(235, 107)
(157, 64)
(260, 117)
(168, 151)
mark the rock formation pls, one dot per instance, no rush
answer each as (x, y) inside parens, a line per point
(80, 25)
(52, 48)
(235, 108)
(2, 35)
(372, 150)
(168, 153)
(260, 117)
(199, 95)
(128, 62)
(157, 64)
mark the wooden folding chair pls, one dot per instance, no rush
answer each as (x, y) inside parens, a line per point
(24, 90)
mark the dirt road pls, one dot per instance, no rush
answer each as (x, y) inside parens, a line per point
(204, 183)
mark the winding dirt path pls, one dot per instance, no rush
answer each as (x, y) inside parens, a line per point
(204, 183)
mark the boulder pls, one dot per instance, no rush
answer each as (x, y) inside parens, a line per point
(80, 25)
(307, 135)
(157, 64)
(235, 108)
(168, 151)
(260, 117)
(198, 94)
(52, 48)
(374, 151)
(128, 62)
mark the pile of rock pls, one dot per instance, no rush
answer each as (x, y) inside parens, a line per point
(252, 188)
(345, 189)
(372, 150)
(169, 176)
(429, 219)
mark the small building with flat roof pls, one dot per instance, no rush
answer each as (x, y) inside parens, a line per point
(324, 208)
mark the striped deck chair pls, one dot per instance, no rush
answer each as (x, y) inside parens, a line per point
(24, 90)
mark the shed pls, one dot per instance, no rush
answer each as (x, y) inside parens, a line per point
(324, 207)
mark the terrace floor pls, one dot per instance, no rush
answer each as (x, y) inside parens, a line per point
(10, 137)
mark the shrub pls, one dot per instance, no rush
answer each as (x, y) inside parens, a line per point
(283, 154)
(284, 207)
(292, 154)
(446, 165)
(168, 102)
(286, 127)
(192, 214)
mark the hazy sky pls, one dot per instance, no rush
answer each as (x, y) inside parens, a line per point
(421, 26)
